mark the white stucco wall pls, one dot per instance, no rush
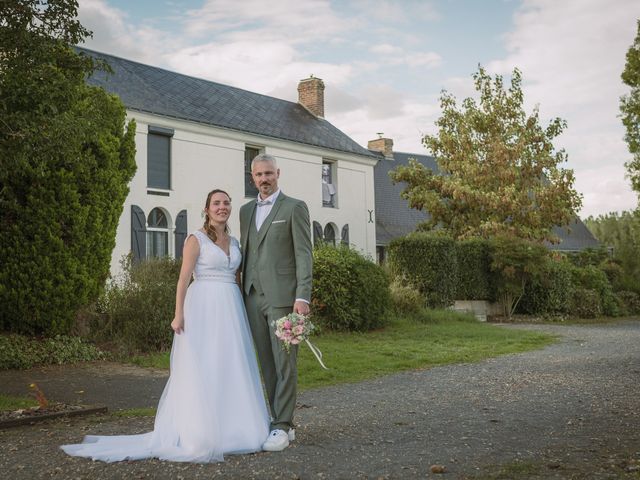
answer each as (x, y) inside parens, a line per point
(204, 158)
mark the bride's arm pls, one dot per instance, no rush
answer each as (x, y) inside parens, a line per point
(190, 254)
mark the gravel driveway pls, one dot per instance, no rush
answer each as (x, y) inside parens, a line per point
(571, 410)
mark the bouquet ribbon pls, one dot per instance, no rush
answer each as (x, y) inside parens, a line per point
(316, 351)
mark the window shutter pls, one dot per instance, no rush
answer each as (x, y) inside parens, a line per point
(345, 235)
(181, 232)
(158, 160)
(138, 233)
(317, 233)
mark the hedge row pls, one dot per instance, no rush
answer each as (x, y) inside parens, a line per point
(443, 270)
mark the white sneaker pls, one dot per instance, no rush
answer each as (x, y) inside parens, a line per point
(277, 441)
(291, 434)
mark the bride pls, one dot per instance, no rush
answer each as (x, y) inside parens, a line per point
(213, 402)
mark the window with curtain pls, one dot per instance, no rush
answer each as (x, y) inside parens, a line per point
(157, 234)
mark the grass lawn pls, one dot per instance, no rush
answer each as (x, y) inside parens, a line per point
(433, 338)
(8, 402)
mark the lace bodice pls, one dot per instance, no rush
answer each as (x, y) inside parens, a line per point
(213, 263)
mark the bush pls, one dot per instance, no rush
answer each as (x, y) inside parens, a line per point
(592, 278)
(349, 291)
(630, 302)
(20, 352)
(138, 308)
(406, 299)
(426, 262)
(585, 303)
(549, 292)
(475, 280)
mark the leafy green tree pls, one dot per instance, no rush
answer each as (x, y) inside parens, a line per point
(621, 232)
(630, 108)
(65, 163)
(498, 173)
(516, 262)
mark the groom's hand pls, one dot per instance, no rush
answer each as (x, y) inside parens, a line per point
(301, 308)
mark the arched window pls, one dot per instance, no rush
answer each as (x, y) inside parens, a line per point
(345, 235)
(330, 234)
(157, 234)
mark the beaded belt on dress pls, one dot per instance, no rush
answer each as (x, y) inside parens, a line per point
(216, 277)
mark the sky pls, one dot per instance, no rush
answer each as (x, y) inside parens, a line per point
(385, 63)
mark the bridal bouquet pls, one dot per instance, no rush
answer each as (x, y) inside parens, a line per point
(294, 329)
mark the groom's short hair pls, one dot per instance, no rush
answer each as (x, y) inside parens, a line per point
(264, 157)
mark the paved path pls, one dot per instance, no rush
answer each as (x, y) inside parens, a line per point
(571, 410)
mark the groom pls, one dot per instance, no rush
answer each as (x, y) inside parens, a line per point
(275, 234)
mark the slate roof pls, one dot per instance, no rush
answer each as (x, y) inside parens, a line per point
(394, 218)
(154, 90)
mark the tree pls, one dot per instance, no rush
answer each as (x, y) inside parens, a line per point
(65, 163)
(630, 108)
(621, 232)
(498, 173)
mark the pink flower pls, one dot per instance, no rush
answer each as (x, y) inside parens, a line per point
(295, 341)
(298, 330)
(287, 324)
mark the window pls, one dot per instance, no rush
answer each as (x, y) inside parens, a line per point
(330, 234)
(328, 184)
(157, 234)
(250, 189)
(159, 157)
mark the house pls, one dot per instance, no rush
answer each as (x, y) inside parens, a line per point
(394, 217)
(193, 135)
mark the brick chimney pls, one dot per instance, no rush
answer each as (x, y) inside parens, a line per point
(381, 144)
(311, 95)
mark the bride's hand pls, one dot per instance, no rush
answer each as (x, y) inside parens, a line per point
(178, 325)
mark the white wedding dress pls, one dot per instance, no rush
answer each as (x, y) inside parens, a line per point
(213, 403)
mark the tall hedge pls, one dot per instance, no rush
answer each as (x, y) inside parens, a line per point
(65, 163)
(350, 292)
(550, 291)
(475, 280)
(427, 262)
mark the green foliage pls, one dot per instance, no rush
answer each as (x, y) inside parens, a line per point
(406, 299)
(475, 280)
(498, 172)
(585, 303)
(426, 262)
(550, 290)
(630, 109)
(629, 301)
(592, 278)
(515, 262)
(621, 233)
(350, 292)
(138, 308)
(589, 256)
(65, 163)
(20, 352)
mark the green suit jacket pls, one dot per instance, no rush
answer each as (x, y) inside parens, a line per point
(283, 248)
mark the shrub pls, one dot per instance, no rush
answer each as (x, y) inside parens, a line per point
(138, 308)
(349, 291)
(614, 274)
(630, 302)
(20, 352)
(593, 278)
(406, 299)
(585, 303)
(515, 262)
(426, 262)
(550, 291)
(475, 280)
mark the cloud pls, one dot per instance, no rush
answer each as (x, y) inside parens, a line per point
(114, 33)
(571, 54)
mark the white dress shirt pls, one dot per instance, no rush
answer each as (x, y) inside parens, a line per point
(263, 211)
